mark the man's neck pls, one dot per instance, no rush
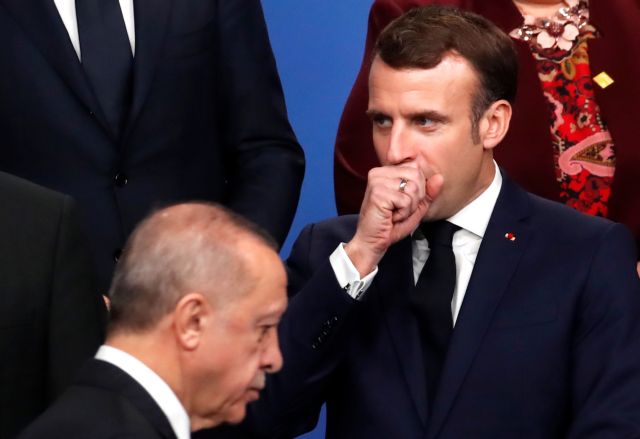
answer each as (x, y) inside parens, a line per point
(152, 350)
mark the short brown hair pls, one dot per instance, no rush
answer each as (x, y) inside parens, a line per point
(424, 35)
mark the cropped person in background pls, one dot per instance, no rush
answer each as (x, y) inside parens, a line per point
(51, 317)
(573, 136)
(196, 300)
(125, 105)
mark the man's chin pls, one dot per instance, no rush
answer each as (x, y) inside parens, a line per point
(199, 423)
(237, 413)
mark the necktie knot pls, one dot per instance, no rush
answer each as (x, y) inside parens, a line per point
(439, 232)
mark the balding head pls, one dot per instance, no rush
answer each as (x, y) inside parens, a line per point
(177, 250)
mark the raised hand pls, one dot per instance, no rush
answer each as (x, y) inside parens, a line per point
(396, 200)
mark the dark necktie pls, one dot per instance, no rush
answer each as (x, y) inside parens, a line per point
(432, 298)
(106, 57)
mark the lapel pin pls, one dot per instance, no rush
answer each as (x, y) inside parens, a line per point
(510, 236)
(603, 80)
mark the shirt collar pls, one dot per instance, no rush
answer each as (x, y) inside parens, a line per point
(153, 384)
(475, 216)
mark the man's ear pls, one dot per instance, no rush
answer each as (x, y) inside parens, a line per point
(495, 123)
(191, 315)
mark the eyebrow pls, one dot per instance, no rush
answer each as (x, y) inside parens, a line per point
(273, 313)
(429, 114)
(372, 114)
(426, 114)
(269, 320)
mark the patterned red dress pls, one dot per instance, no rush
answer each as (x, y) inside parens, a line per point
(583, 148)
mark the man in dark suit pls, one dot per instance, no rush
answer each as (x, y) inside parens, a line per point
(526, 153)
(196, 299)
(157, 102)
(522, 322)
(51, 317)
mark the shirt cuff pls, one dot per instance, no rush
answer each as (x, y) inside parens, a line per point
(347, 274)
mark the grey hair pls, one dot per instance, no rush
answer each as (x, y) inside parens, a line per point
(190, 247)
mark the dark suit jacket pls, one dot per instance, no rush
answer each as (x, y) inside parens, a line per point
(207, 119)
(526, 153)
(103, 402)
(51, 317)
(546, 345)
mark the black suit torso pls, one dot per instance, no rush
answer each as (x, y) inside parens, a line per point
(103, 402)
(51, 317)
(207, 119)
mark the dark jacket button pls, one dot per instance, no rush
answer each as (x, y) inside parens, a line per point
(121, 179)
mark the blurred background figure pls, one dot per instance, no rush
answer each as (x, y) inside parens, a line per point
(128, 106)
(51, 317)
(196, 300)
(573, 136)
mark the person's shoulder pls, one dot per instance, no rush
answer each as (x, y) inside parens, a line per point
(18, 193)
(562, 214)
(320, 239)
(93, 413)
(567, 225)
(339, 228)
(33, 211)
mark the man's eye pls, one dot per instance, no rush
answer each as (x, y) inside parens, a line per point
(382, 121)
(424, 121)
(264, 331)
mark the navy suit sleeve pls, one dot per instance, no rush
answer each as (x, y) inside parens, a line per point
(606, 350)
(76, 313)
(312, 339)
(267, 161)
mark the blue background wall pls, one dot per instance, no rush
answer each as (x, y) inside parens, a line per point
(318, 46)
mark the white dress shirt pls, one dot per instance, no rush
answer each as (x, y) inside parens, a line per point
(153, 384)
(67, 11)
(472, 220)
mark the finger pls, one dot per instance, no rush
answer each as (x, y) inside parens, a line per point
(404, 188)
(400, 192)
(390, 202)
(408, 225)
(411, 191)
(415, 192)
(433, 186)
(416, 181)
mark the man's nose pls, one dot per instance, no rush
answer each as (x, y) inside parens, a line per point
(271, 356)
(400, 149)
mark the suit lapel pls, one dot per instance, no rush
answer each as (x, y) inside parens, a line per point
(151, 22)
(40, 21)
(97, 373)
(394, 284)
(496, 263)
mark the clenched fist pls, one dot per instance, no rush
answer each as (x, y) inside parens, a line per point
(390, 211)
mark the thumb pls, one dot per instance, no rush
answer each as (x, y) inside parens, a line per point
(433, 186)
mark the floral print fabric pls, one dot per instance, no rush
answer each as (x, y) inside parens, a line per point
(583, 148)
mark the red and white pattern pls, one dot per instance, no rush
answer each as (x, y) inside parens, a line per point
(583, 148)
